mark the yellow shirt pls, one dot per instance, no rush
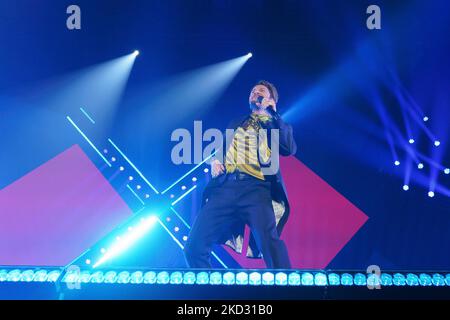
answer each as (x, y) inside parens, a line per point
(242, 155)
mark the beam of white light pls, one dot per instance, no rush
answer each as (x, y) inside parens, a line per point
(127, 240)
(185, 94)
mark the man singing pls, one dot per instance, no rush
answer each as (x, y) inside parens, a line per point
(244, 190)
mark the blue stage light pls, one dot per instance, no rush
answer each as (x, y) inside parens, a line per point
(137, 277)
(85, 277)
(438, 280)
(281, 279)
(27, 276)
(163, 277)
(405, 187)
(397, 163)
(411, 141)
(268, 278)
(194, 179)
(431, 194)
(360, 279)
(189, 278)
(346, 279)
(228, 278)
(386, 279)
(320, 279)
(185, 238)
(294, 279)
(437, 143)
(307, 279)
(249, 55)
(176, 277)
(136, 53)
(425, 279)
(399, 279)
(426, 118)
(121, 168)
(130, 178)
(183, 187)
(206, 170)
(113, 159)
(150, 277)
(373, 280)
(254, 278)
(447, 170)
(40, 276)
(412, 279)
(202, 278)
(242, 278)
(97, 277)
(88, 261)
(420, 165)
(123, 277)
(215, 278)
(334, 279)
(53, 275)
(3, 275)
(13, 275)
(447, 279)
(110, 277)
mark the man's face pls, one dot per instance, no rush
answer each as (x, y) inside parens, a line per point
(258, 91)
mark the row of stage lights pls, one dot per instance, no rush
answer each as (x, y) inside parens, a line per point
(252, 278)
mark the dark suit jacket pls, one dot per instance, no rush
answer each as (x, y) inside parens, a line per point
(287, 146)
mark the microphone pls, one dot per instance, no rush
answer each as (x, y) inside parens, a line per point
(270, 109)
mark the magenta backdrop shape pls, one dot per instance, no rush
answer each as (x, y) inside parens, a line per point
(57, 211)
(321, 223)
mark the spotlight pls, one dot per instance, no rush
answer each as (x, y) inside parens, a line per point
(194, 179)
(206, 170)
(406, 187)
(437, 143)
(136, 53)
(138, 187)
(249, 55)
(411, 141)
(121, 168)
(425, 119)
(168, 219)
(113, 159)
(147, 196)
(130, 178)
(88, 261)
(431, 194)
(185, 238)
(172, 196)
(176, 229)
(105, 151)
(397, 163)
(183, 187)
(447, 171)
(420, 165)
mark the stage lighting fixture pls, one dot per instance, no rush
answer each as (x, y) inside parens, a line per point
(254, 279)
(294, 279)
(185, 238)
(307, 279)
(425, 119)
(172, 196)
(189, 278)
(206, 170)
(406, 187)
(138, 187)
(176, 229)
(437, 143)
(163, 277)
(147, 196)
(194, 179)
(281, 279)
(88, 261)
(249, 55)
(130, 178)
(215, 278)
(411, 141)
(420, 165)
(136, 53)
(397, 163)
(202, 278)
(113, 159)
(183, 187)
(346, 279)
(431, 194)
(447, 171)
(176, 277)
(121, 168)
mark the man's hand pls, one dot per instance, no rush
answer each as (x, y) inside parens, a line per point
(266, 102)
(217, 168)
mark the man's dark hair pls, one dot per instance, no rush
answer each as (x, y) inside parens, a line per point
(273, 91)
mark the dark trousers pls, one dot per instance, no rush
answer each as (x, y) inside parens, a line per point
(248, 201)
